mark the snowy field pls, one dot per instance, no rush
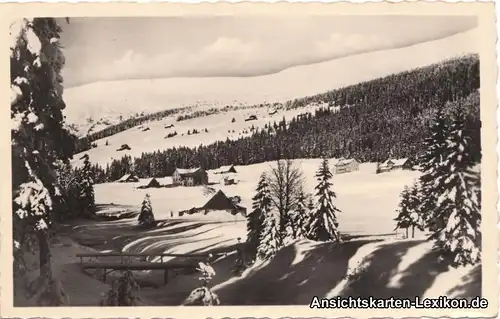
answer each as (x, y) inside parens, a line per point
(367, 200)
(88, 105)
(369, 264)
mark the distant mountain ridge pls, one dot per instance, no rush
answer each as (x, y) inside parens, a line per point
(371, 121)
(98, 105)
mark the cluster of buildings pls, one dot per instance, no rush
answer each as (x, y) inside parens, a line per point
(219, 201)
(352, 165)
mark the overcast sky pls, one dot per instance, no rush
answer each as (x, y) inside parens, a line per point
(103, 49)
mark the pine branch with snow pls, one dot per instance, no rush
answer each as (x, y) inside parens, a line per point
(38, 134)
(323, 224)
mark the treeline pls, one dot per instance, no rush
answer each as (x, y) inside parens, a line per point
(389, 118)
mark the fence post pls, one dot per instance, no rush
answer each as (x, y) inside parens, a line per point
(165, 277)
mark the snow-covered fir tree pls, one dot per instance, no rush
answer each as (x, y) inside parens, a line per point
(38, 133)
(431, 162)
(255, 220)
(323, 224)
(409, 216)
(457, 216)
(271, 239)
(146, 216)
(300, 217)
(121, 292)
(69, 206)
(86, 185)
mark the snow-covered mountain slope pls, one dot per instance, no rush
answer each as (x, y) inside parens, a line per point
(97, 105)
(153, 136)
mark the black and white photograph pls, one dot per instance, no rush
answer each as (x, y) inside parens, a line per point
(312, 160)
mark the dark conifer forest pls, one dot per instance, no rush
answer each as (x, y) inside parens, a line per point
(370, 121)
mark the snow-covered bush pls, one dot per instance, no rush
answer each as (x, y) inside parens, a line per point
(203, 296)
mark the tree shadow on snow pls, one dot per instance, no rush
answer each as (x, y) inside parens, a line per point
(382, 266)
(471, 285)
(283, 282)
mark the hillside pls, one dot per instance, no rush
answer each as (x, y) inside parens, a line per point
(385, 116)
(95, 106)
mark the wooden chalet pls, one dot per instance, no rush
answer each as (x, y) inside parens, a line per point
(395, 164)
(190, 177)
(346, 166)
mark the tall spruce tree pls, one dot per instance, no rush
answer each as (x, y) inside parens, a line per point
(457, 214)
(300, 217)
(403, 220)
(431, 162)
(271, 239)
(409, 216)
(255, 220)
(323, 222)
(86, 184)
(39, 137)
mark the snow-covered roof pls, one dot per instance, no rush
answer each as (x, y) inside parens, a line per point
(124, 177)
(223, 169)
(187, 171)
(395, 162)
(344, 161)
(146, 181)
(400, 162)
(388, 161)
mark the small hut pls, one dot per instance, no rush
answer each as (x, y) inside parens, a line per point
(128, 178)
(124, 147)
(150, 183)
(251, 118)
(403, 164)
(220, 201)
(396, 164)
(225, 169)
(346, 166)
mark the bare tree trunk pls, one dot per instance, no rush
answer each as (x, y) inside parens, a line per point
(412, 231)
(406, 232)
(285, 183)
(44, 254)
